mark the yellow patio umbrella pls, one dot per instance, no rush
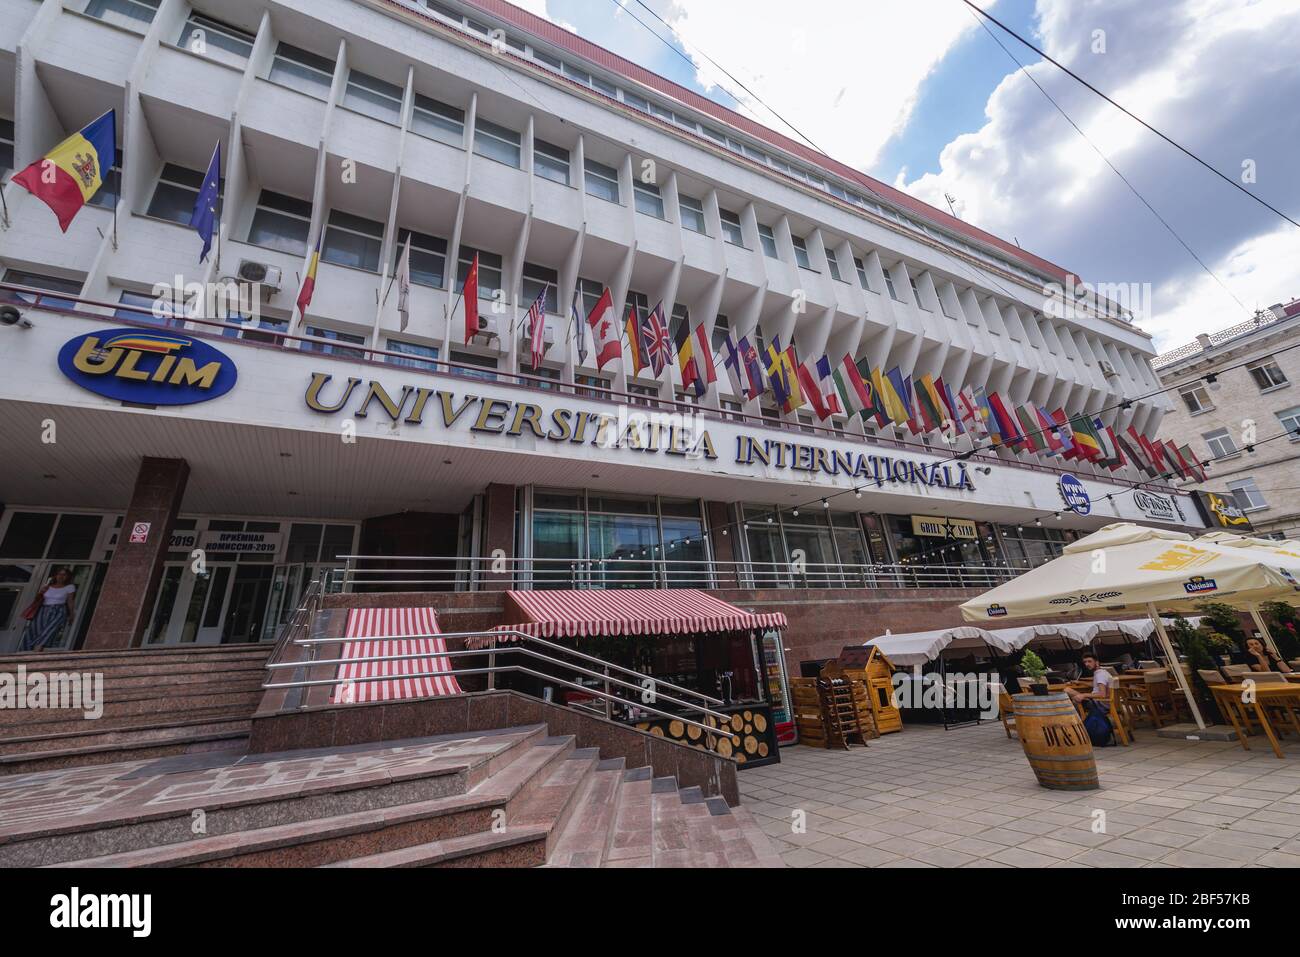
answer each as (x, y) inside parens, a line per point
(1126, 567)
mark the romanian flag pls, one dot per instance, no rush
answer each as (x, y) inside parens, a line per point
(636, 345)
(69, 175)
(309, 280)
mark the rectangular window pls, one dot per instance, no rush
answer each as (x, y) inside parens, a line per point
(133, 14)
(889, 284)
(832, 263)
(692, 212)
(767, 239)
(6, 146)
(328, 349)
(916, 293)
(601, 181)
(209, 37)
(489, 271)
(638, 301)
(1220, 443)
(281, 222)
(438, 121)
(352, 241)
(420, 355)
(648, 199)
(731, 230)
(174, 196)
(1290, 419)
(1196, 399)
(801, 252)
(721, 329)
(150, 309)
(535, 280)
(590, 292)
(592, 386)
(551, 162)
(679, 324)
(373, 97)
(428, 257)
(107, 195)
(480, 367)
(496, 142)
(861, 267)
(1249, 497)
(1268, 374)
(302, 70)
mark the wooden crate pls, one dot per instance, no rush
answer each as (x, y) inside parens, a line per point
(877, 675)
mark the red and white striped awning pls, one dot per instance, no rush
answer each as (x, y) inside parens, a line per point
(607, 614)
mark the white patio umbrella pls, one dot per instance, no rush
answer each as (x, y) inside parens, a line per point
(1127, 567)
(918, 647)
(1285, 554)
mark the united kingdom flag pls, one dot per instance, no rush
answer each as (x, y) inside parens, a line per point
(659, 342)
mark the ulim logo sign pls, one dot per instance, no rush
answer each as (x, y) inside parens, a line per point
(148, 368)
(1074, 495)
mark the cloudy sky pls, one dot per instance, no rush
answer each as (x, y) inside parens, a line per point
(918, 94)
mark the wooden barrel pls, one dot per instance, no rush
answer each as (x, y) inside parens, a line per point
(1055, 742)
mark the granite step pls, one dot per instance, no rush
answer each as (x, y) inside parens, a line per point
(77, 723)
(91, 733)
(118, 746)
(59, 816)
(135, 660)
(586, 839)
(631, 844)
(40, 720)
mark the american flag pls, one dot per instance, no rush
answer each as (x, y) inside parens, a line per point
(659, 340)
(536, 320)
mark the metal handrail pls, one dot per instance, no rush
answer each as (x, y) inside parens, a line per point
(512, 633)
(300, 620)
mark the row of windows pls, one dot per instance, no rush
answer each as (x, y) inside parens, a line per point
(1265, 373)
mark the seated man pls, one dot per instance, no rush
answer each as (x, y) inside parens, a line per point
(1101, 680)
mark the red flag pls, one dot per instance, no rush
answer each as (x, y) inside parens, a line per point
(605, 330)
(470, 295)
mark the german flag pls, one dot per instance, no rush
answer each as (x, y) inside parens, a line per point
(69, 176)
(633, 326)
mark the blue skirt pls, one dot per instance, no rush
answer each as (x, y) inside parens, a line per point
(45, 627)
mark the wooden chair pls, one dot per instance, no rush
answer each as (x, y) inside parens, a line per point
(1236, 671)
(1119, 716)
(1135, 697)
(1211, 677)
(1267, 678)
(1007, 712)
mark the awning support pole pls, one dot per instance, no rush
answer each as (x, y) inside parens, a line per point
(1267, 635)
(1175, 666)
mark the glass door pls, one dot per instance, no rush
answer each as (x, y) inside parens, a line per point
(246, 610)
(19, 586)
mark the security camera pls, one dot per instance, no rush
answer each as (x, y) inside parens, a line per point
(10, 316)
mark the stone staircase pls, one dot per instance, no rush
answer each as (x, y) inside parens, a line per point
(509, 797)
(156, 703)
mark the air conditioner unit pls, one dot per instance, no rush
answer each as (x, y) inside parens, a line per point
(488, 329)
(1107, 369)
(263, 275)
(548, 335)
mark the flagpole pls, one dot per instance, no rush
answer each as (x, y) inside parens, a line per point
(4, 204)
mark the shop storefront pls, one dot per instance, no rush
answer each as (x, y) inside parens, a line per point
(224, 580)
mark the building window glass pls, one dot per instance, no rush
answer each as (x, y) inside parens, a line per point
(1196, 399)
(692, 212)
(551, 162)
(889, 284)
(496, 142)
(832, 263)
(861, 268)
(303, 71)
(648, 199)
(801, 252)
(209, 37)
(71, 287)
(134, 14)
(174, 196)
(489, 271)
(535, 280)
(590, 290)
(148, 308)
(601, 181)
(592, 386)
(438, 121)
(281, 222)
(428, 257)
(1031, 546)
(1290, 419)
(6, 146)
(916, 294)
(352, 241)
(1268, 375)
(1220, 443)
(731, 230)
(767, 239)
(420, 355)
(1247, 494)
(475, 365)
(334, 335)
(373, 97)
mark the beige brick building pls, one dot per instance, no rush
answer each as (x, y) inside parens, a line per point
(1235, 392)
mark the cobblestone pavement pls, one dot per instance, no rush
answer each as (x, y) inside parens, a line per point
(926, 797)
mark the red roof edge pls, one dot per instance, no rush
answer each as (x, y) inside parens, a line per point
(553, 33)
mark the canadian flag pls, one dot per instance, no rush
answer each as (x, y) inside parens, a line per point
(605, 330)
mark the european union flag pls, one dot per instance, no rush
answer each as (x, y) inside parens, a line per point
(204, 218)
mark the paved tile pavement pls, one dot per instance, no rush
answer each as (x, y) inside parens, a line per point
(926, 797)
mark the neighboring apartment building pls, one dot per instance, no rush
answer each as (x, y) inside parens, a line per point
(1237, 393)
(476, 129)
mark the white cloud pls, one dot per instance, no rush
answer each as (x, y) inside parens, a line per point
(843, 72)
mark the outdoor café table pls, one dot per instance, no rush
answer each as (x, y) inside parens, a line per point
(1230, 702)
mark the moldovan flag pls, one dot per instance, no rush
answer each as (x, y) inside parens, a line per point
(309, 278)
(604, 330)
(69, 175)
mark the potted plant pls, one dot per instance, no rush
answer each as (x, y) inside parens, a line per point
(1033, 666)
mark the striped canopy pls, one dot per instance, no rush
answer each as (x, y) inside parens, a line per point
(607, 614)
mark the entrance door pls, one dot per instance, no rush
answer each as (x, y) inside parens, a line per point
(247, 608)
(19, 585)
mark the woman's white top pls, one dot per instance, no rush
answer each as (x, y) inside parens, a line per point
(58, 596)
